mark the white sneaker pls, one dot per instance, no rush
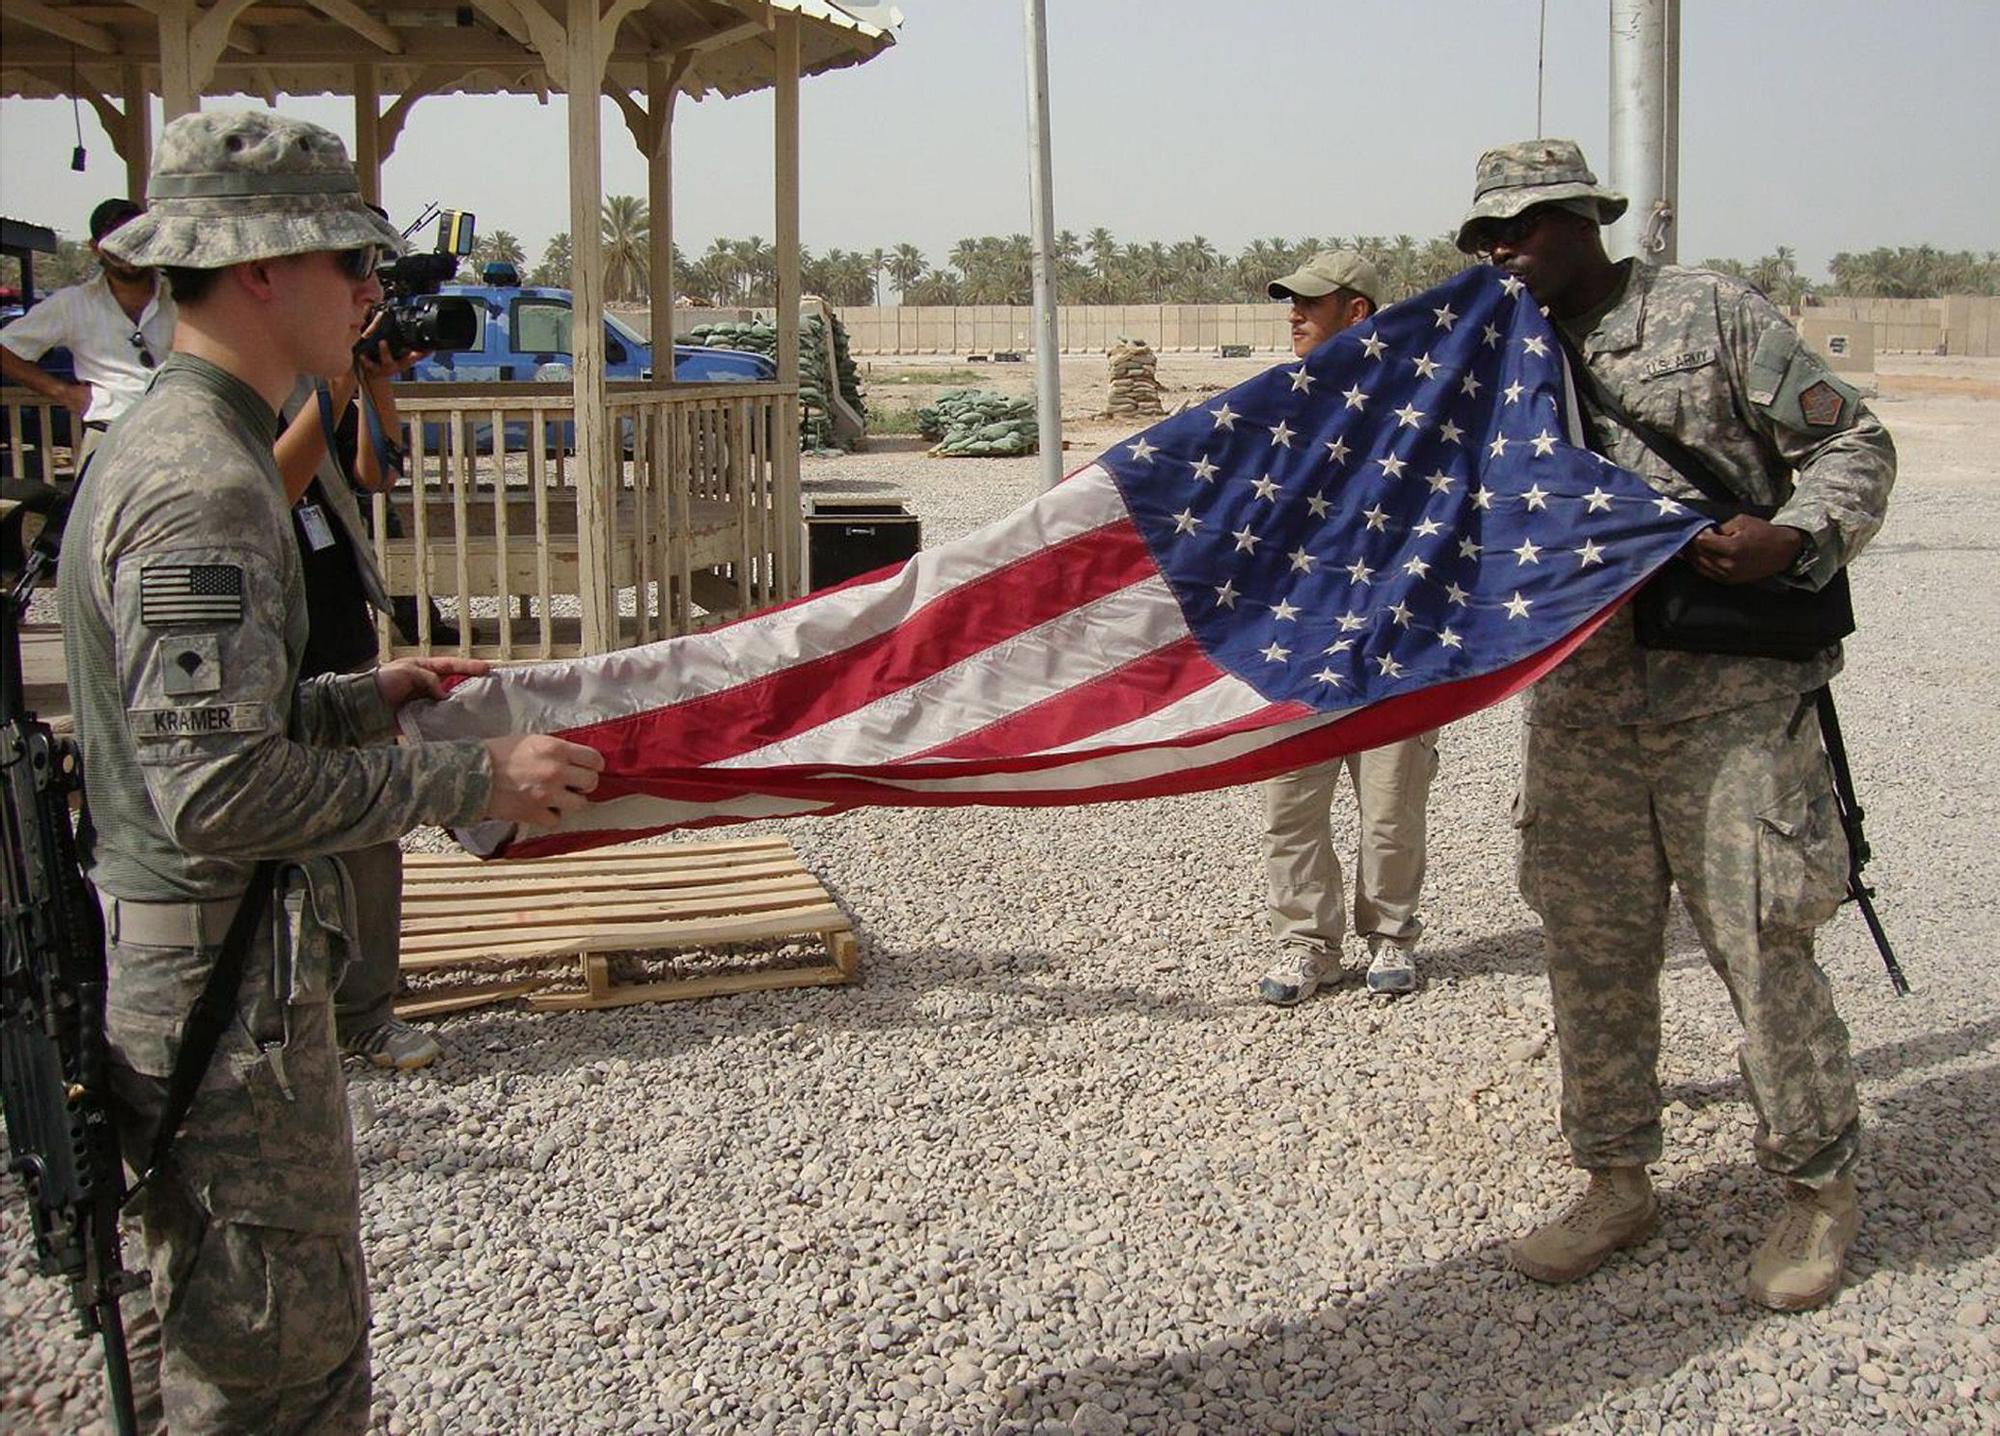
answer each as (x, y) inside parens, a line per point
(1392, 966)
(1297, 974)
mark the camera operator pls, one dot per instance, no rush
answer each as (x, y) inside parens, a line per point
(216, 782)
(343, 587)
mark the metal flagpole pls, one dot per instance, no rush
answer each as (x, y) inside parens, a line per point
(1645, 120)
(1041, 200)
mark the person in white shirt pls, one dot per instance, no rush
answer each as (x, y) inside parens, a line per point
(118, 326)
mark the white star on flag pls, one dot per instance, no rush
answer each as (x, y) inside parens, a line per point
(1185, 522)
(1225, 417)
(1445, 318)
(1302, 379)
(1142, 451)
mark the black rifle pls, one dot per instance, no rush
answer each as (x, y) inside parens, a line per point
(1858, 851)
(53, 1070)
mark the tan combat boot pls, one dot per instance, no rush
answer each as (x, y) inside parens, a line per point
(1798, 1267)
(1616, 1211)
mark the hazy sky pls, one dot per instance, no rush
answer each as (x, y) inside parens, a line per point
(1822, 124)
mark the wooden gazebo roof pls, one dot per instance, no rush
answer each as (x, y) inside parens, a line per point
(266, 49)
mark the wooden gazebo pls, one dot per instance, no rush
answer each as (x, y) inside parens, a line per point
(548, 519)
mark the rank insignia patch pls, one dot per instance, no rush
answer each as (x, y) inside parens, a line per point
(190, 593)
(1821, 404)
(192, 665)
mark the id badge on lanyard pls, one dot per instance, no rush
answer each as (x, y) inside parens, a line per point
(319, 533)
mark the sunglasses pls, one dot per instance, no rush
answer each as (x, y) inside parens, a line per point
(358, 264)
(146, 359)
(1513, 230)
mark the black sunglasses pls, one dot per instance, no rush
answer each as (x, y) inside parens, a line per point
(1513, 230)
(358, 264)
(146, 359)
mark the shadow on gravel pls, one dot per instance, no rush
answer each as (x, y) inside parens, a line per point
(1876, 1064)
(938, 989)
(1469, 1340)
(842, 484)
(1517, 953)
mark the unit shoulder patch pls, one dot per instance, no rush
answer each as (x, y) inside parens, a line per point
(1820, 404)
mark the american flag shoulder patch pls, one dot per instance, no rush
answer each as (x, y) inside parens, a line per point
(190, 593)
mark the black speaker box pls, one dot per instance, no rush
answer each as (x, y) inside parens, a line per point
(846, 538)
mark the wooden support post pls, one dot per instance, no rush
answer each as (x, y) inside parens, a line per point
(180, 91)
(662, 78)
(596, 467)
(137, 145)
(368, 132)
(785, 465)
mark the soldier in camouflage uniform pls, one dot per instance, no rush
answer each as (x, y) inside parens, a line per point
(1647, 769)
(184, 621)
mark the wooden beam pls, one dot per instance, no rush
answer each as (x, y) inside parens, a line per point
(530, 25)
(368, 132)
(180, 81)
(596, 460)
(208, 34)
(136, 145)
(662, 88)
(785, 458)
(429, 81)
(361, 23)
(719, 38)
(64, 27)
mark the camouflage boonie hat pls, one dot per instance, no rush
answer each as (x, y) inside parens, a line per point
(1327, 271)
(232, 186)
(1515, 177)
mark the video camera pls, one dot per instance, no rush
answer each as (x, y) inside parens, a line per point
(414, 314)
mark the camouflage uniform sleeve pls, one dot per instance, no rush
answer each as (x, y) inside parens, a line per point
(340, 710)
(206, 684)
(1844, 460)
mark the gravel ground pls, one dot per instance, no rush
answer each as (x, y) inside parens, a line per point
(1048, 1167)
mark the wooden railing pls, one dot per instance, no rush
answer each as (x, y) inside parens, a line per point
(511, 555)
(32, 425)
(695, 520)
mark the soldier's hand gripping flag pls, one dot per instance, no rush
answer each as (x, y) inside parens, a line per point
(1344, 551)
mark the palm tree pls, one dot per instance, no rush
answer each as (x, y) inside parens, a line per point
(555, 270)
(906, 267)
(878, 264)
(627, 247)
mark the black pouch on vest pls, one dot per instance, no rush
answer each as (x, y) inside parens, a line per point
(1683, 612)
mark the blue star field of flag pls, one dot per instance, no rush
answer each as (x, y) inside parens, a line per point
(1403, 507)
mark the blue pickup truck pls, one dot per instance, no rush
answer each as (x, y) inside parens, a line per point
(524, 333)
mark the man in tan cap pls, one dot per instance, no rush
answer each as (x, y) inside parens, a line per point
(1648, 768)
(1330, 292)
(216, 782)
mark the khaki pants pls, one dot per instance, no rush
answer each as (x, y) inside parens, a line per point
(367, 994)
(1392, 788)
(1737, 809)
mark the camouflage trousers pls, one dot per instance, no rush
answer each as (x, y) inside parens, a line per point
(1392, 786)
(1737, 810)
(256, 1320)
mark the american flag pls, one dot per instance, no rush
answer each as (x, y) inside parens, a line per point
(190, 593)
(1346, 550)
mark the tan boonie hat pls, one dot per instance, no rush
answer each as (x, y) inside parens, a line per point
(232, 186)
(1327, 271)
(1515, 177)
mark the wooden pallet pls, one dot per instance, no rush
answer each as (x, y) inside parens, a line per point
(461, 912)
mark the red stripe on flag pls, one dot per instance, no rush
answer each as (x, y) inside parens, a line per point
(1118, 696)
(1370, 727)
(951, 628)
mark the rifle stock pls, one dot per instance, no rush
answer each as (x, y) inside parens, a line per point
(53, 1077)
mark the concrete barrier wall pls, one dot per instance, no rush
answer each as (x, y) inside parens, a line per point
(1962, 324)
(1966, 324)
(1080, 328)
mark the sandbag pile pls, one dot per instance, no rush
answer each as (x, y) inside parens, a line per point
(823, 368)
(978, 423)
(1135, 384)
